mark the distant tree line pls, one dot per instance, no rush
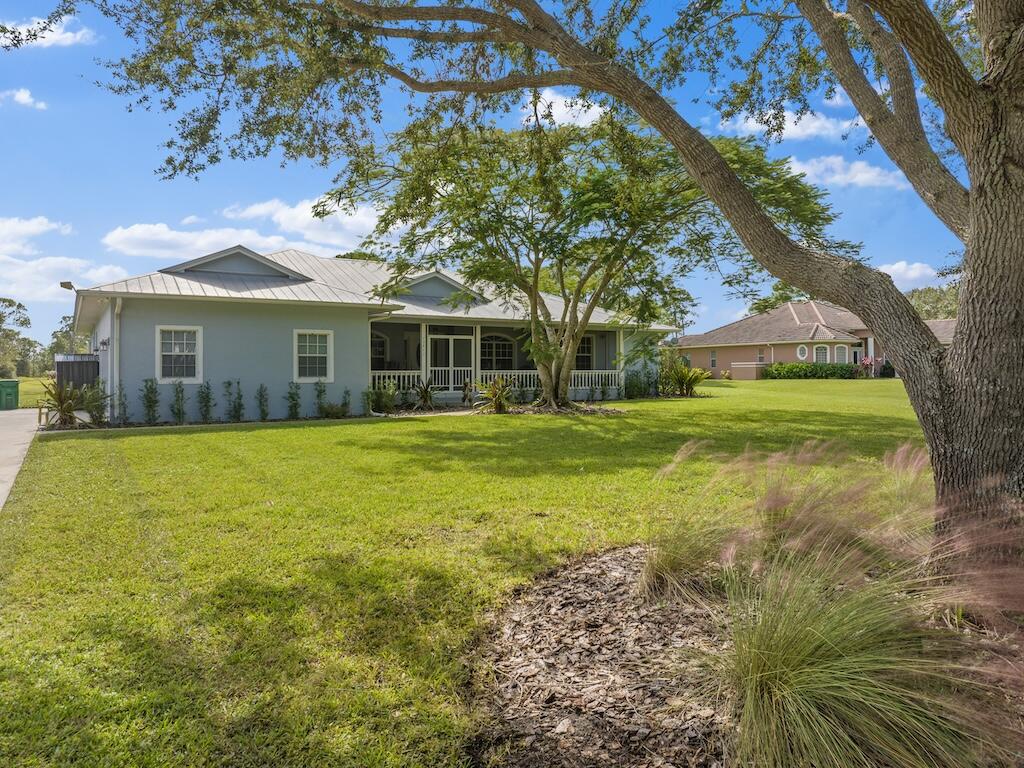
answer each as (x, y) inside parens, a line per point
(23, 356)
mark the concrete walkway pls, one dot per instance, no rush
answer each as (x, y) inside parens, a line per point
(17, 428)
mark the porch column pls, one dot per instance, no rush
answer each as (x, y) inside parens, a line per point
(424, 353)
(620, 362)
(476, 354)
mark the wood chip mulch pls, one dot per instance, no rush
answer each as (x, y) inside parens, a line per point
(585, 671)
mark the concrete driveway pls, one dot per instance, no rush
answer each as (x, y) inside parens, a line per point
(17, 428)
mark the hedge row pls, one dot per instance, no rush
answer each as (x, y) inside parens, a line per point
(810, 371)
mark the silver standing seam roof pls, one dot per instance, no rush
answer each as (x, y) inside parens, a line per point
(306, 278)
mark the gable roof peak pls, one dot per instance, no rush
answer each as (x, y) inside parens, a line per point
(239, 250)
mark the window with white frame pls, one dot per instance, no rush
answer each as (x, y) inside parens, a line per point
(760, 354)
(821, 354)
(801, 352)
(714, 358)
(842, 354)
(585, 354)
(378, 351)
(314, 356)
(497, 353)
(179, 353)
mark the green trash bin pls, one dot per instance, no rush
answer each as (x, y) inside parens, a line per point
(8, 394)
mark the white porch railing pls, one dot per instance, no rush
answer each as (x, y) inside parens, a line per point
(579, 379)
(450, 379)
(404, 380)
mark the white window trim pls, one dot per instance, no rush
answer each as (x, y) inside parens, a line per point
(504, 337)
(801, 352)
(593, 351)
(198, 378)
(713, 359)
(835, 352)
(295, 357)
(816, 348)
(378, 334)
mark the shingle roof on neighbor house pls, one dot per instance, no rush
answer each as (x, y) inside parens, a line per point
(293, 276)
(795, 321)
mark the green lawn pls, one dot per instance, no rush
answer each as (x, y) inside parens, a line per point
(308, 595)
(30, 390)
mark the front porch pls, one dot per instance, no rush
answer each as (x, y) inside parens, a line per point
(457, 354)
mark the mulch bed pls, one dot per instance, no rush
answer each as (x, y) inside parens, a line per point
(583, 671)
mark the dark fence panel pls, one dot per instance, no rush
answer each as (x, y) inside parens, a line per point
(77, 370)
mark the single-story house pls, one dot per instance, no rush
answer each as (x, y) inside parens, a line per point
(809, 331)
(291, 316)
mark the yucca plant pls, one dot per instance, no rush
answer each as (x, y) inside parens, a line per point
(423, 394)
(496, 396)
(685, 379)
(63, 405)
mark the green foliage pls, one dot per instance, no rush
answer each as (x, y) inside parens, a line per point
(368, 398)
(496, 396)
(810, 371)
(887, 371)
(726, 374)
(936, 303)
(781, 293)
(423, 393)
(150, 395)
(639, 383)
(122, 414)
(178, 412)
(234, 404)
(682, 380)
(294, 399)
(385, 398)
(319, 397)
(62, 404)
(263, 402)
(204, 396)
(96, 402)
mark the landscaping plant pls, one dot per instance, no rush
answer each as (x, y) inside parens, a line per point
(64, 403)
(96, 402)
(123, 416)
(319, 397)
(810, 371)
(294, 399)
(204, 396)
(495, 396)
(235, 405)
(683, 381)
(150, 394)
(178, 402)
(263, 402)
(423, 391)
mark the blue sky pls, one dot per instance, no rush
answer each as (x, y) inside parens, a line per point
(82, 202)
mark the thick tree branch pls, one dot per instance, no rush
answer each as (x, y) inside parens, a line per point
(513, 82)
(955, 91)
(900, 134)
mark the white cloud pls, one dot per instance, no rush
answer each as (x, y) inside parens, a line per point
(561, 109)
(341, 231)
(16, 234)
(160, 241)
(68, 31)
(837, 171)
(39, 279)
(809, 126)
(23, 97)
(909, 275)
(838, 99)
(192, 219)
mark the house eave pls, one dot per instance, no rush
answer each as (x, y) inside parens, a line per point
(242, 299)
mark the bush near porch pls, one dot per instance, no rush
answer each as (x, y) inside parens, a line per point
(307, 594)
(810, 371)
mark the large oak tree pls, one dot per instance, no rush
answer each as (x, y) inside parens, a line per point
(311, 76)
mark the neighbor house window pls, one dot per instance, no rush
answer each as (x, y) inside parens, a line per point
(314, 356)
(497, 353)
(821, 354)
(760, 354)
(801, 352)
(179, 353)
(714, 358)
(585, 354)
(842, 354)
(378, 351)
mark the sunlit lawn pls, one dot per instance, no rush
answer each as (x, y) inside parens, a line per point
(308, 595)
(30, 391)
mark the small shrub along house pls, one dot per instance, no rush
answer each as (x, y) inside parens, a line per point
(272, 323)
(798, 339)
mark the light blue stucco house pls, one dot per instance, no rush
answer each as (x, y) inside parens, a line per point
(295, 317)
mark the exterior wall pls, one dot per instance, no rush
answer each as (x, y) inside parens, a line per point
(104, 330)
(773, 353)
(250, 342)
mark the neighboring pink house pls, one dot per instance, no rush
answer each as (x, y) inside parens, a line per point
(809, 331)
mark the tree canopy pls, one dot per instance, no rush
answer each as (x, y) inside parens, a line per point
(935, 302)
(780, 294)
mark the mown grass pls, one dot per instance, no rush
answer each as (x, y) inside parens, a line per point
(309, 594)
(30, 391)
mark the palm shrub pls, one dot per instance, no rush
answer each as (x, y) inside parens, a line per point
(204, 396)
(178, 402)
(150, 395)
(685, 380)
(423, 394)
(62, 404)
(496, 396)
(263, 402)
